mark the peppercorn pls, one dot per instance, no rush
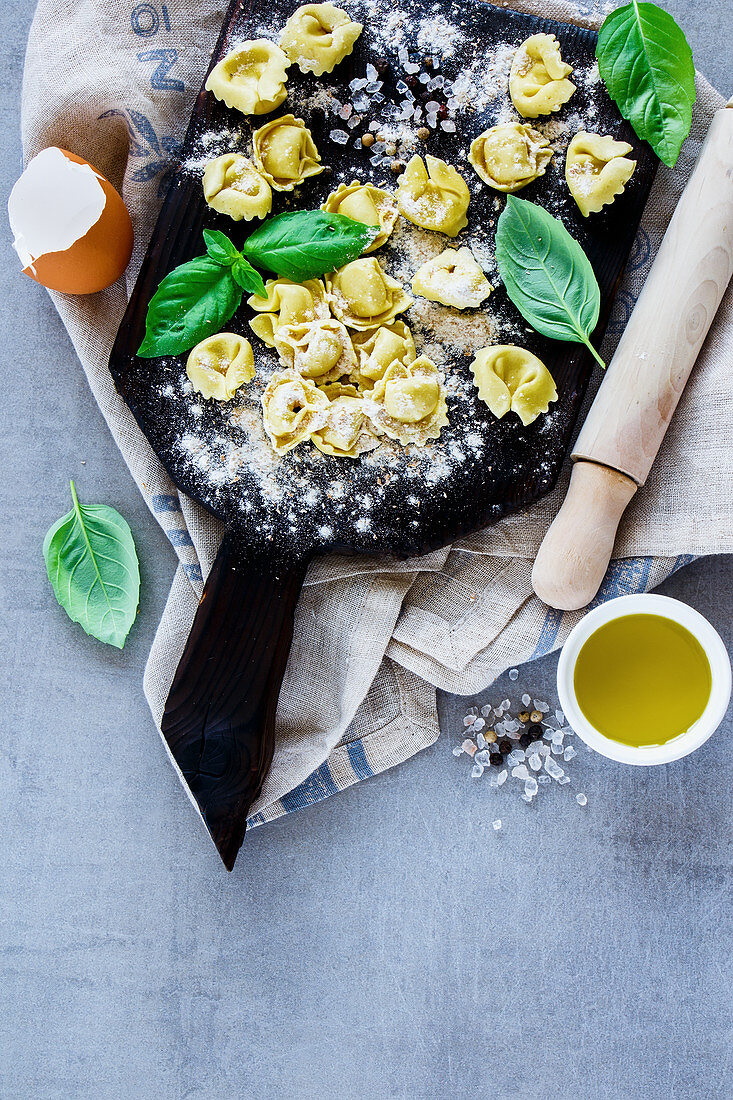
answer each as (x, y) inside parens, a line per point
(381, 66)
(536, 716)
(390, 148)
(423, 133)
(490, 736)
(505, 745)
(367, 140)
(411, 81)
(523, 716)
(428, 62)
(442, 111)
(535, 731)
(380, 135)
(525, 739)
(398, 167)
(496, 759)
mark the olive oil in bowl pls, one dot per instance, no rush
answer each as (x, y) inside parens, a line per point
(642, 679)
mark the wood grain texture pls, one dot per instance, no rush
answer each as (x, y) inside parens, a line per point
(626, 424)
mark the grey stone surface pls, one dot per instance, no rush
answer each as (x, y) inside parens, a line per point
(386, 943)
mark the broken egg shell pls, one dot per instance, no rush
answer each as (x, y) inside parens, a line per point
(99, 257)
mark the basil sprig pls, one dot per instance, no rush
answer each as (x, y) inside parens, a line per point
(547, 274)
(93, 568)
(646, 64)
(200, 296)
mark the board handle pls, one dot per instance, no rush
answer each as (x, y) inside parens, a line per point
(219, 718)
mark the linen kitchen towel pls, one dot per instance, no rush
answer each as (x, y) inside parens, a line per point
(115, 81)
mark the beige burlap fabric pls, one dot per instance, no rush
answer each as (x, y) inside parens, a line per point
(114, 80)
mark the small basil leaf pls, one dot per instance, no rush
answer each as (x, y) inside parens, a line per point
(646, 64)
(307, 243)
(220, 248)
(249, 279)
(191, 303)
(93, 568)
(547, 274)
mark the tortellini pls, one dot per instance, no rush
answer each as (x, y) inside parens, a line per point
(363, 296)
(597, 170)
(433, 195)
(363, 202)
(220, 364)
(292, 409)
(348, 431)
(510, 156)
(512, 378)
(453, 278)
(285, 152)
(318, 36)
(379, 348)
(538, 78)
(317, 349)
(251, 78)
(287, 303)
(408, 402)
(233, 186)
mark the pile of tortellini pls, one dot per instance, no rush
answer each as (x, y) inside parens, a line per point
(509, 156)
(350, 371)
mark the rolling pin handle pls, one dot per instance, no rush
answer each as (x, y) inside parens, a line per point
(574, 556)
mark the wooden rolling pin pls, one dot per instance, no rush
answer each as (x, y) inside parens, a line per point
(634, 405)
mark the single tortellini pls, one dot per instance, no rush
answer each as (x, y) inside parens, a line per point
(408, 402)
(363, 296)
(433, 195)
(220, 364)
(378, 348)
(348, 431)
(453, 278)
(251, 78)
(363, 202)
(510, 156)
(287, 303)
(597, 170)
(317, 349)
(285, 152)
(233, 186)
(317, 37)
(512, 378)
(538, 78)
(292, 409)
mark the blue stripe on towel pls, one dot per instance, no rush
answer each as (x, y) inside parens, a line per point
(358, 760)
(165, 502)
(315, 788)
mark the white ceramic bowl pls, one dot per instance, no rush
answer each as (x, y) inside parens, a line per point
(709, 639)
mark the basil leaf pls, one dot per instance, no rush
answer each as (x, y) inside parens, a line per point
(249, 279)
(307, 243)
(220, 248)
(191, 303)
(646, 64)
(93, 568)
(547, 274)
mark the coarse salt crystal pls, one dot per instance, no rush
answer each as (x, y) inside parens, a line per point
(535, 761)
(412, 68)
(502, 777)
(513, 673)
(530, 786)
(458, 751)
(469, 747)
(346, 111)
(497, 824)
(371, 72)
(448, 125)
(581, 800)
(520, 772)
(477, 771)
(339, 136)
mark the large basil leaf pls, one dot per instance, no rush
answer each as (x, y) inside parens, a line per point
(646, 64)
(191, 303)
(547, 274)
(93, 568)
(307, 243)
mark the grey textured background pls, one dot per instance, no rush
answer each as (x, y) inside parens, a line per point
(386, 943)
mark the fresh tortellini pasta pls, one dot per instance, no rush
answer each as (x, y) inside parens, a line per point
(317, 37)
(348, 431)
(597, 169)
(317, 349)
(292, 409)
(233, 186)
(453, 278)
(363, 202)
(287, 303)
(251, 78)
(538, 78)
(363, 295)
(408, 402)
(220, 364)
(510, 156)
(433, 195)
(378, 348)
(512, 378)
(285, 152)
